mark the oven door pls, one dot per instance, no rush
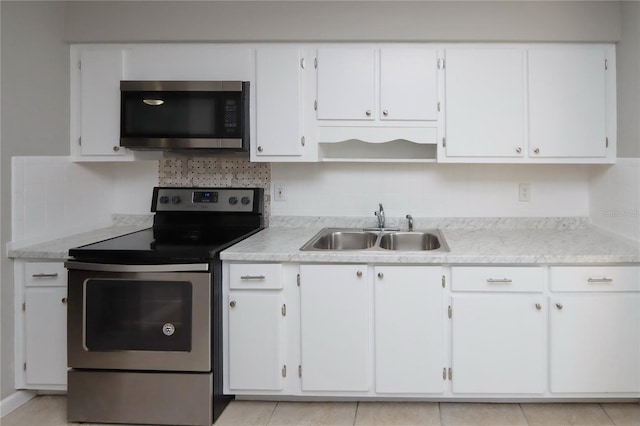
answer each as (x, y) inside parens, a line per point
(139, 317)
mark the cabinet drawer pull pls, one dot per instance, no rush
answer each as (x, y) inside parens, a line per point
(232, 303)
(559, 305)
(380, 275)
(538, 306)
(64, 300)
(54, 275)
(359, 274)
(252, 277)
(600, 280)
(499, 280)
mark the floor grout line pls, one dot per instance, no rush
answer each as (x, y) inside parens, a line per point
(272, 411)
(613, 422)
(526, 419)
(356, 415)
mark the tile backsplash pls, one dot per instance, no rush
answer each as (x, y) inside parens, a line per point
(225, 171)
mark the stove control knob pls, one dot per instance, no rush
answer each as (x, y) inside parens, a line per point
(233, 201)
(176, 199)
(164, 199)
(245, 200)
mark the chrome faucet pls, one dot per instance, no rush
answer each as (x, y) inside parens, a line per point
(380, 214)
(410, 219)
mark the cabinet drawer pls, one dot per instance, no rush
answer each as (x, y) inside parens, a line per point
(255, 275)
(499, 278)
(39, 274)
(595, 278)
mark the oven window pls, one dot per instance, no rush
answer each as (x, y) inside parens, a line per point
(138, 315)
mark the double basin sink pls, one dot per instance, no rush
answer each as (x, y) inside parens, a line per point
(376, 239)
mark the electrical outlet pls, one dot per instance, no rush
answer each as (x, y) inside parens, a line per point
(524, 192)
(279, 193)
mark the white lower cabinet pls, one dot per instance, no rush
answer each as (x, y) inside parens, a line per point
(498, 331)
(334, 323)
(595, 330)
(408, 329)
(42, 327)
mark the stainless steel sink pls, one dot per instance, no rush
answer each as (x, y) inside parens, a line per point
(345, 240)
(410, 241)
(371, 239)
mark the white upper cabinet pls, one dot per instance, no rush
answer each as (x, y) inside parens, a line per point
(279, 118)
(346, 84)
(408, 84)
(97, 112)
(364, 83)
(485, 100)
(567, 102)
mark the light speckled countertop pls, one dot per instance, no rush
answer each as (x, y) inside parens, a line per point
(470, 240)
(497, 241)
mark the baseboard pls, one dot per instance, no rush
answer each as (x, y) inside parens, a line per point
(15, 400)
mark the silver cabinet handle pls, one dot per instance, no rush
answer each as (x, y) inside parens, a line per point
(537, 150)
(232, 303)
(368, 112)
(499, 281)
(538, 306)
(116, 148)
(518, 150)
(54, 275)
(559, 305)
(385, 112)
(259, 149)
(252, 277)
(359, 274)
(600, 280)
(64, 300)
(380, 275)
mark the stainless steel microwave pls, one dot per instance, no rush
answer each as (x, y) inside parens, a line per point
(184, 115)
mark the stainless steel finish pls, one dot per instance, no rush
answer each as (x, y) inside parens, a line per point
(64, 300)
(315, 105)
(537, 150)
(444, 282)
(559, 305)
(444, 374)
(344, 240)
(180, 86)
(232, 303)
(380, 215)
(450, 374)
(153, 102)
(302, 141)
(359, 274)
(54, 275)
(302, 63)
(184, 199)
(600, 280)
(606, 142)
(105, 267)
(499, 281)
(380, 275)
(375, 239)
(368, 112)
(283, 310)
(141, 398)
(449, 312)
(444, 142)
(518, 150)
(116, 148)
(385, 112)
(284, 371)
(180, 143)
(168, 329)
(410, 219)
(260, 149)
(252, 277)
(197, 359)
(538, 306)
(410, 241)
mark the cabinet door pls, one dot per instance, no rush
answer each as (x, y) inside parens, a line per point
(567, 104)
(484, 92)
(408, 84)
(255, 338)
(408, 329)
(46, 336)
(346, 88)
(278, 101)
(595, 343)
(100, 75)
(498, 344)
(334, 311)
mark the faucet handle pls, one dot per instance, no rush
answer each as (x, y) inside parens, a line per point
(410, 219)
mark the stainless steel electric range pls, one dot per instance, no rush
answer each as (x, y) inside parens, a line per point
(145, 311)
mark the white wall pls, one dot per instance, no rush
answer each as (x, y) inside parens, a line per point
(430, 190)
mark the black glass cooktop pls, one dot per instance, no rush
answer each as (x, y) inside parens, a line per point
(143, 246)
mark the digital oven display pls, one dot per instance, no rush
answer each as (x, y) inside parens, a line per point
(205, 197)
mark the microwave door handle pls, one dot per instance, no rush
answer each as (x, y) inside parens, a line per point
(107, 267)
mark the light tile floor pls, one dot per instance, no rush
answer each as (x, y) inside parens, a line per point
(50, 410)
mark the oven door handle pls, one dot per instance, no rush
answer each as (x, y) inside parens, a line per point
(108, 267)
